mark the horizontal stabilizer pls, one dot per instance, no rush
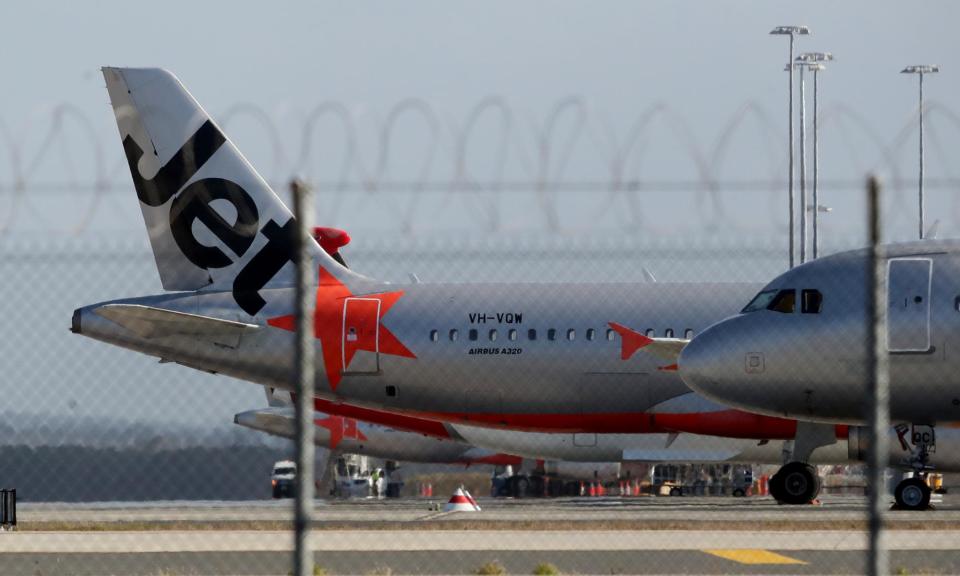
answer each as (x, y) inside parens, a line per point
(149, 322)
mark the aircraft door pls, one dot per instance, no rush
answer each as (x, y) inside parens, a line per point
(908, 304)
(361, 336)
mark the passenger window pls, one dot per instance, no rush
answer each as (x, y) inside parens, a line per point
(434, 336)
(454, 334)
(651, 332)
(591, 334)
(512, 334)
(571, 334)
(552, 334)
(688, 333)
(473, 334)
(493, 335)
(668, 333)
(785, 301)
(610, 334)
(531, 334)
(811, 301)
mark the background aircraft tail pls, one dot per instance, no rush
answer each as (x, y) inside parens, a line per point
(212, 220)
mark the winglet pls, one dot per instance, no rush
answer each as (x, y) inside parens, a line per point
(631, 340)
(665, 348)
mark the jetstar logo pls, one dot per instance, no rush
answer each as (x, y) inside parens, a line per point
(340, 428)
(194, 204)
(339, 340)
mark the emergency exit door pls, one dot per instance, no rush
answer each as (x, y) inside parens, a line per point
(908, 304)
(361, 336)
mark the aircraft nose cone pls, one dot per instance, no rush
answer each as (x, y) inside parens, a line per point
(706, 364)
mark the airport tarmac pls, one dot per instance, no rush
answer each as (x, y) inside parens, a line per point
(587, 535)
(644, 513)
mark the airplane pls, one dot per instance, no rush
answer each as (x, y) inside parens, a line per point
(558, 455)
(798, 348)
(352, 436)
(397, 437)
(534, 357)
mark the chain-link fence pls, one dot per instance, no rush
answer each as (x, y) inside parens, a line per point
(512, 397)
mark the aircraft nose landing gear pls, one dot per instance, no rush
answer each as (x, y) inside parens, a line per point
(795, 483)
(912, 494)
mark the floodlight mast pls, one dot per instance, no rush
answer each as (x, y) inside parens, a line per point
(803, 166)
(920, 70)
(791, 31)
(814, 61)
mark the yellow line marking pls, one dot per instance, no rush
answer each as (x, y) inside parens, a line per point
(754, 556)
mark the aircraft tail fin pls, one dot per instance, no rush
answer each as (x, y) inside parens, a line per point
(212, 220)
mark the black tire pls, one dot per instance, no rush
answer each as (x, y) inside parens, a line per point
(912, 494)
(775, 487)
(522, 487)
(537, 486)
(739, 493)
(799, 483)
(676, 491)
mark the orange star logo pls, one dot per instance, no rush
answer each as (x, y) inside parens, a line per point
(345, 324)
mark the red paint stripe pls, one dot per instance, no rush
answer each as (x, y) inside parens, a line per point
(391, 419)
(730, 424)
(724, 423)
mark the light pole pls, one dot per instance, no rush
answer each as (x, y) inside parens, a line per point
(920, 70)
(791, 31)
(814, 61)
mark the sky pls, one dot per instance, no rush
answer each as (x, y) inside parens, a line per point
(703, 59)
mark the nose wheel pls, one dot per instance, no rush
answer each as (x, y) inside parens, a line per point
(795, 483)
(912, 494)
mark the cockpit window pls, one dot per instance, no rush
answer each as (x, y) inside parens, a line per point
(811, 301)
(785, 301)
(760, 301)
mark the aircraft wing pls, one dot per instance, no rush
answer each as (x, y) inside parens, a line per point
(150, 322)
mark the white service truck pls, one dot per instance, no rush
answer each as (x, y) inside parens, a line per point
(283, 479)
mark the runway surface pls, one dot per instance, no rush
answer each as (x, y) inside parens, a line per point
(643, 513)
(605, 535)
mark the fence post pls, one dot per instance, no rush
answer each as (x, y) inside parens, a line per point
(303, 374)
(878, 392)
